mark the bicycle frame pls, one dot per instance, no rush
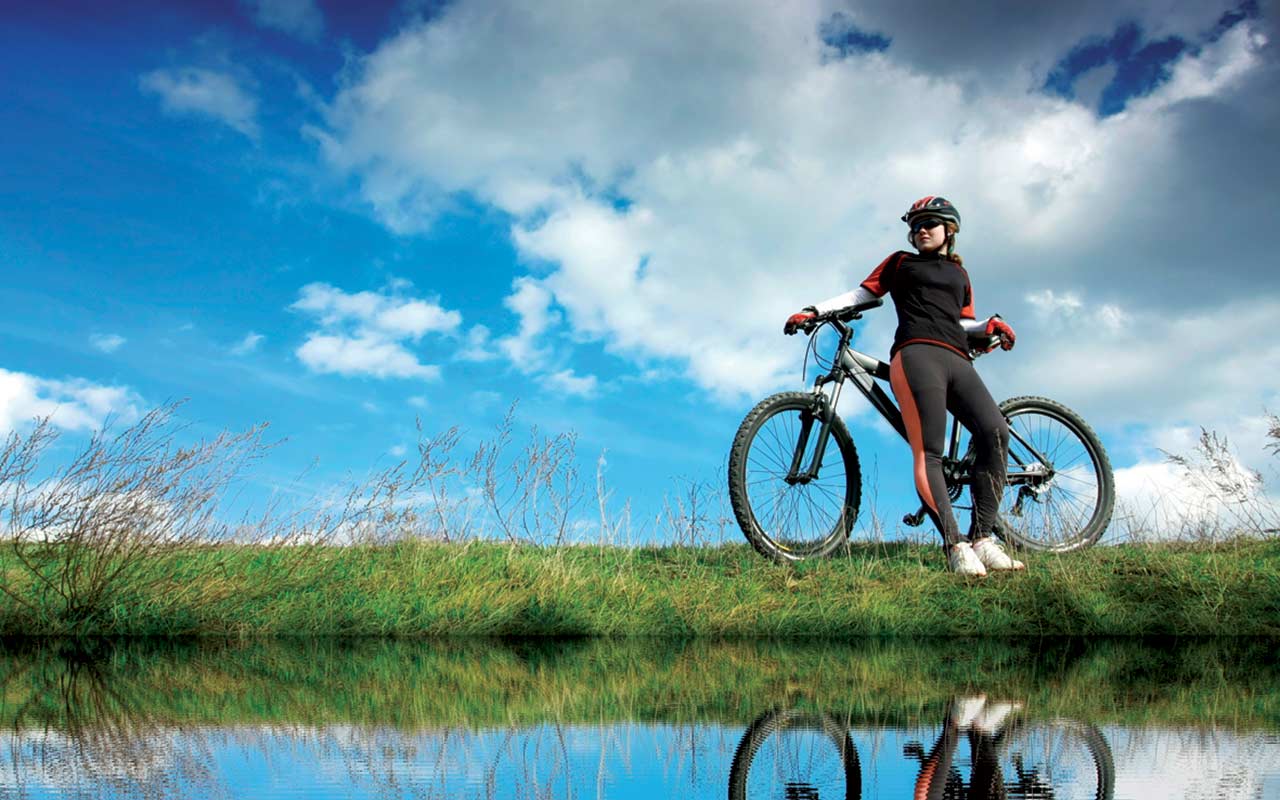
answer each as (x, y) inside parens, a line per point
(864, 371)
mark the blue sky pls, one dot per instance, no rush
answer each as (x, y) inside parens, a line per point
(339, 219)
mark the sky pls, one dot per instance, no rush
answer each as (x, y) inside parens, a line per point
(341, 218)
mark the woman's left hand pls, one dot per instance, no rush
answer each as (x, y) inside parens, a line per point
(998, 327)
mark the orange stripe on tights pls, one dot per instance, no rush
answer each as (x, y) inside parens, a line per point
(915, 436)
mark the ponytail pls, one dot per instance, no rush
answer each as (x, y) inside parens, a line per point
(952, 255)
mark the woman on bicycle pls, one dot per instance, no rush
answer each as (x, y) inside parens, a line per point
(931, 373)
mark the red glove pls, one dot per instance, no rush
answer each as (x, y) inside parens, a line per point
(998, 327)
(796, 321)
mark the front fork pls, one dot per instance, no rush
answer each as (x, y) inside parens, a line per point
(822, 411)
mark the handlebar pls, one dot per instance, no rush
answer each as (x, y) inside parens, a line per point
(846, 314)
(978, 345)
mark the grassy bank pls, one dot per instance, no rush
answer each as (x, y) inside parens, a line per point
(129, 685)
(488, 589)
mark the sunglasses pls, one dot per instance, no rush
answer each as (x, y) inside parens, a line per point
(924, 224)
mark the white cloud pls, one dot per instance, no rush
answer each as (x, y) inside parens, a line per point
(301, 18)
(248, 344)
(366, 332)
(756, 175)
(476, 346)
(363, 356)
(531, 302)
(569, 383)
(526, 349)
(204, 92)
(74, 404)
(107, 342)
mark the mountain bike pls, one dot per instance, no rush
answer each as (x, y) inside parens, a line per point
(796, 496)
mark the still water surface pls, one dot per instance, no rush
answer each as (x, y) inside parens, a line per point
(878, 719)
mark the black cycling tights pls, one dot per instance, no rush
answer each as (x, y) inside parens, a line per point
(929, 381)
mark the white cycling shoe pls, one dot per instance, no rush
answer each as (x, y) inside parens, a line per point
(993, 556)
(962, 560)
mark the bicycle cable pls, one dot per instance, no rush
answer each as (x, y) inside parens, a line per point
(818, 360)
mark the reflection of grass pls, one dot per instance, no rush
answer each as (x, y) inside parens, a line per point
(490, 589)
(474, 683)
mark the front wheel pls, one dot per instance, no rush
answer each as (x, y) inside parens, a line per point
(786, 518)
(789, 753)
(1060, 492)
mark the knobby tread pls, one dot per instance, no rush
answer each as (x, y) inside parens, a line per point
(1102, 515)
(739, 500)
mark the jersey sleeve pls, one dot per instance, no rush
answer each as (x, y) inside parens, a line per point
(966, 306)
(880, 281)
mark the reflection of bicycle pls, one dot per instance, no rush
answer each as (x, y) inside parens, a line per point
(792, 754)
(804, 755)
(795, 497)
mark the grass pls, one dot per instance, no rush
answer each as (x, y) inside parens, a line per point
(72, 685)
(417, 589)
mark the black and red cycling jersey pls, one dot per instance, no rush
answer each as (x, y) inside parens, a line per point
(931, 295)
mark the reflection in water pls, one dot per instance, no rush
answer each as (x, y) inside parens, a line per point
(793, 754)
(646, 719)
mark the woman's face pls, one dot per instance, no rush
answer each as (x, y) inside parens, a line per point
(929, 236)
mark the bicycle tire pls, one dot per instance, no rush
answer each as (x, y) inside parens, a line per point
(784, 540)
(1057, 531)
(777, 720)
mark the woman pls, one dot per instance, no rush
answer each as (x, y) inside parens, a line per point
(931, 373)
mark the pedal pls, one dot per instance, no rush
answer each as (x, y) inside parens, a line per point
(914, 520)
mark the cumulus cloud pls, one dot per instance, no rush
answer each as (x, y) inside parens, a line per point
(678, 219)
(73, 404)
(106, 342)
(204, 92)
(679, 183)
(301, 18)
(367, 333)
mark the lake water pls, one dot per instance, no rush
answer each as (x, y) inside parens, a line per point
(640, 719)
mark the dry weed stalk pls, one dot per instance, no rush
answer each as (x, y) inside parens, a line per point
(108, 519)
(698, 515)
(532, 496)
(1234, 501)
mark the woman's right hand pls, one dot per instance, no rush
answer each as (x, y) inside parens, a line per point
(797, 321)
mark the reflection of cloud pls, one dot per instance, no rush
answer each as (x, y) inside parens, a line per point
(655, 760)
(1193, 765)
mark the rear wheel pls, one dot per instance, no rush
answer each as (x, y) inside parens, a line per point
(1060, 492)
(784, 518)
(1057, 758)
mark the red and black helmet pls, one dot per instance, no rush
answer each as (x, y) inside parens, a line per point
(932, 206)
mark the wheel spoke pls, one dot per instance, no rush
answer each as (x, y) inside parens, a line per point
(800, 518)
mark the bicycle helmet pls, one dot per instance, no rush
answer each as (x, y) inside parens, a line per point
(932, 206)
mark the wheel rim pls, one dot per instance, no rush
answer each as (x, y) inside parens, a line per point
(798, 519)
(1053, 511)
